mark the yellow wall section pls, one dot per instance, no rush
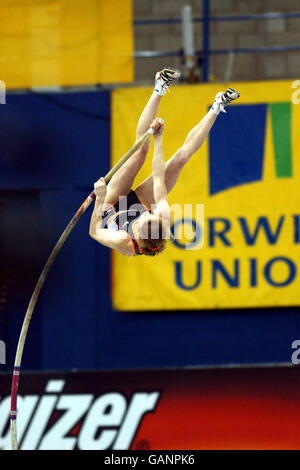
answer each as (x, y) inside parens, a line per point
(65, 42)
(143, 283)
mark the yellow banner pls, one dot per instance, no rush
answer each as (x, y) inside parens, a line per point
(247, 176)
(65, 42)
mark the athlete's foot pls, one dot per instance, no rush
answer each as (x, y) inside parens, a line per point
(223, 99)
(163, 80)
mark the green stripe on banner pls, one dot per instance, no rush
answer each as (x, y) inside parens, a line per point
(281, 127)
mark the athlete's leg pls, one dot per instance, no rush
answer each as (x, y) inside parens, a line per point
(148, 114)
(163, 80)
(192, 143)
(122, 181)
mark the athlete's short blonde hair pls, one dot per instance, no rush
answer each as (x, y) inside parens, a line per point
(153, 236)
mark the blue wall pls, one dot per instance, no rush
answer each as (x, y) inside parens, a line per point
(52, 148)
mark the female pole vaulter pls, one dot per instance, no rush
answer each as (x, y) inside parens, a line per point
(138, 222)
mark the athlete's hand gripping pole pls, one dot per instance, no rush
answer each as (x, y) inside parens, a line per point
(42, 278)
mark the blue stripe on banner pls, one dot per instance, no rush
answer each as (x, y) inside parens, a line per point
(236, 147)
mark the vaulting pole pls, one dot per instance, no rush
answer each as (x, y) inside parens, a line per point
(42, 278)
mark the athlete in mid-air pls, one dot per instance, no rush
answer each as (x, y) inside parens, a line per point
(138, 222)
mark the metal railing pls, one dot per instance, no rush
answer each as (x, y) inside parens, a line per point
(206, 52)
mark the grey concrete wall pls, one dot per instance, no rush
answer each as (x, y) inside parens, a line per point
(253, 66)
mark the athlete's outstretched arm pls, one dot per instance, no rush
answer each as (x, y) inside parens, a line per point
(158, 171)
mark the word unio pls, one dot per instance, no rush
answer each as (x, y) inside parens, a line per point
(229, 268)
